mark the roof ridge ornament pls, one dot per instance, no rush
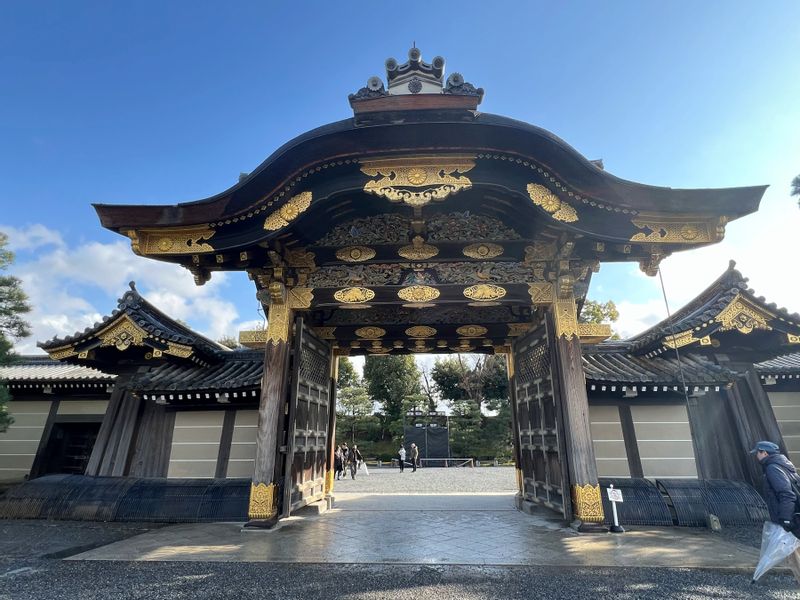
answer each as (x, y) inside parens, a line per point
(415, 77)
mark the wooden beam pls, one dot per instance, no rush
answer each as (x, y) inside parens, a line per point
(631, 444)
(224, 455)
(40, 460)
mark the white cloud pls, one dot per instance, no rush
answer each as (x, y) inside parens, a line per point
(32, 237)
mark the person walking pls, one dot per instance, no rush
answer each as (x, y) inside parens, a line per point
(414, 457)
(779, 473)
(402, 454)
(338, 462)
(355, 459)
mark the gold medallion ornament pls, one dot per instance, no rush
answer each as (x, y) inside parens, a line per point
(484, 251)
(793, 339)
(484, 292)
(263, 499)
(418, 180)
(378, 348)
(354, 295)
(355, 253)
(420, 331)
(294, 207)
(418, 293)
(370, 333)
(587, 503)
(547, 200)
(418, 250)
(471, 331)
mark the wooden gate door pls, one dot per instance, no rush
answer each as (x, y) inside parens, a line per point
(539, 422)
(306, 423)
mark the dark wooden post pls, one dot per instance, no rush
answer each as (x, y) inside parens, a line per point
(263, 509)
(330, 459)
(567, 359)
(512, 392)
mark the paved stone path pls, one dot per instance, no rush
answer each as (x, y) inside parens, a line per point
(431, 480)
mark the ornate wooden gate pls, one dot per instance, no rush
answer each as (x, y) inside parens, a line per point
(539, 423)
(305, 433)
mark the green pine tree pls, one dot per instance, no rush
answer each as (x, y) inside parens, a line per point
(13, 304)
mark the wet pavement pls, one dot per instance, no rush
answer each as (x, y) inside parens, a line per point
(435, 529)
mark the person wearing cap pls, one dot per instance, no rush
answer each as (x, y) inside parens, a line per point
(779, 473)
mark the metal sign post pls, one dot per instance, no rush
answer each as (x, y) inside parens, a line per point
(614, 496)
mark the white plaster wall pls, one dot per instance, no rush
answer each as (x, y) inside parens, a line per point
(609, 445)
(786, 406)
(243, 444)
(19, 443)
(195, 444)
(665, 440)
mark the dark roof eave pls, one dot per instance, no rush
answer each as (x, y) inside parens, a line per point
(485, 131)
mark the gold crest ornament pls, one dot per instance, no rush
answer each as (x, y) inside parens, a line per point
(483, 251)
(484, 292)
(418, 180)
(418, 250)
(354, 295)
(471, 331)
(547, 200)
(418, 293)
(294, 207)
(420, 331)
(355, 253)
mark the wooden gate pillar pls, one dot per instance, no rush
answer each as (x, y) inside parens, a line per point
(570, 389)
(331, 457)
(263, 507)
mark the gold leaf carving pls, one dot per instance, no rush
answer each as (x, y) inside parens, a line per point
(587, 503)
(294, 207)
(485, 250)
(254, 338)
(541, 293)
(180, 350)
(326, 333)
(122, 334)
(418, 293)
(263, 501)
(418, 180)
(370, 333)
(277, 324)
(517, 329)
(744, 316)
(354, 295)
(355, 253)
(471, 331)
(558, 209)
(420, 346)
(420, 331)
(566, 317)
(62, 352)
(678, 230)
(484, 292)
(418, 250)
(793, 339)
(679, 340)
(300, 259)
(300, 297)
(171, 240)
(594, 333)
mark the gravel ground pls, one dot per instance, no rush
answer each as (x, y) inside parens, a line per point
(120, 580)
(388, 480)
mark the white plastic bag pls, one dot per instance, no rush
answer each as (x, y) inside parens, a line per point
(776, 545)
(362, 466)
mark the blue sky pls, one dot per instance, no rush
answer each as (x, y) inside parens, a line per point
(167, 102)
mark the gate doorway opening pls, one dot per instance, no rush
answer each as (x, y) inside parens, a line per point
(69, 448)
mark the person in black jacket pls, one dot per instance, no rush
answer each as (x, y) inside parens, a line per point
(779, 473)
